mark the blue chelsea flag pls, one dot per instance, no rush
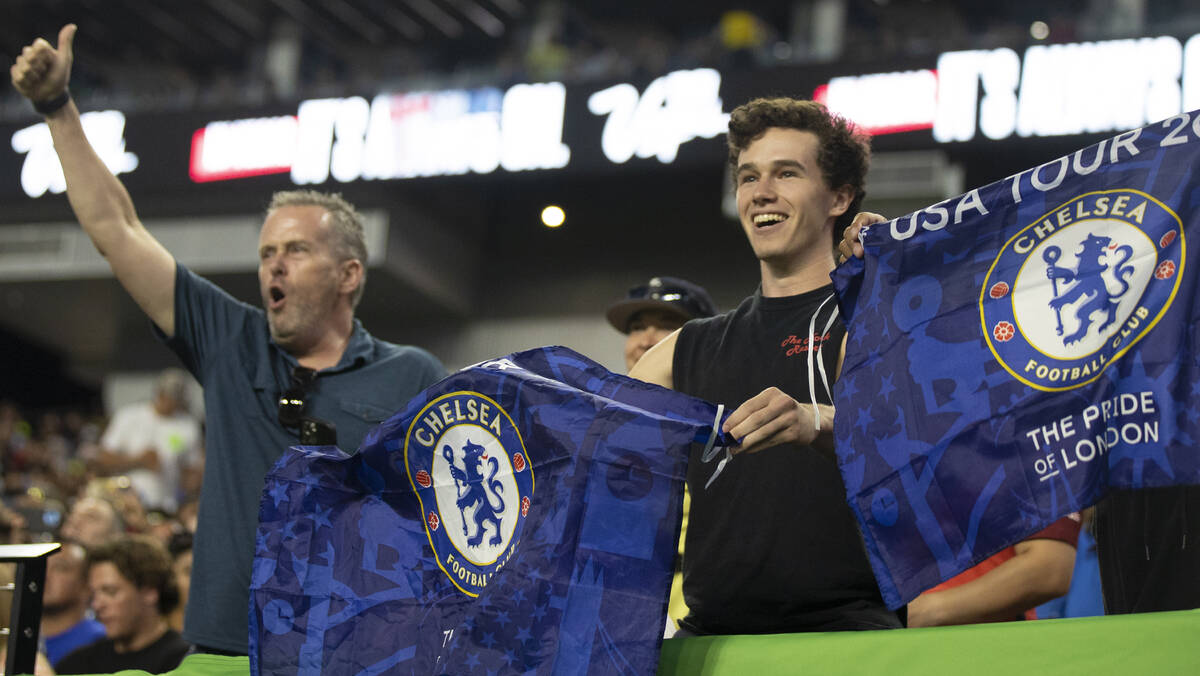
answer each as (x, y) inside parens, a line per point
(520, 516)
(1015, 351)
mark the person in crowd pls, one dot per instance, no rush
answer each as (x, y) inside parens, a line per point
(180, 548)
(1008, 585)
(301, 368)
(41, 664)
(1146, 562)
(154, 442)
(13, 527)
(163, 526)
(91, 522)
(648, 313)
(188, 515)
(652, 311)
(56, 446)
(67, 623)
(799, 176)
(133, 590)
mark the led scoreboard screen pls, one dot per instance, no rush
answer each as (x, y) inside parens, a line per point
(964, 97)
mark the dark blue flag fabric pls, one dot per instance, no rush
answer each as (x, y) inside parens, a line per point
(520, 516)
(1015, 351)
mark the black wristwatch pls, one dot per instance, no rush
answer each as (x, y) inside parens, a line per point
(50, 105)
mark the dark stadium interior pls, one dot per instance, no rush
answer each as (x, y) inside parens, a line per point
(209, 60)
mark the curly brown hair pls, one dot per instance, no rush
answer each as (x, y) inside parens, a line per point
(843, 154)
(143, 561)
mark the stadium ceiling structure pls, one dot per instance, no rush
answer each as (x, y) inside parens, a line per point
(206, 34)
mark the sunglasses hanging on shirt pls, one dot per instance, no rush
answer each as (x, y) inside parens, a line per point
(292, 406)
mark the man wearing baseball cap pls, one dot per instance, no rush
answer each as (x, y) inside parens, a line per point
(649, 313)
(652, 311)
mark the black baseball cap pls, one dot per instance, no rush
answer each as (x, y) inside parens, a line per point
(669, 294)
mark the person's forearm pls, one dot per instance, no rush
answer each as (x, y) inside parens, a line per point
(106, 213)
(1038, 574)
(111, 462)
(101, 203)
(979, 600)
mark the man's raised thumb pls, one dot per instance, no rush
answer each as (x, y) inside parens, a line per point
(66, 36)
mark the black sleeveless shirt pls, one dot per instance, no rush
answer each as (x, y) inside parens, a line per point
(771, 545)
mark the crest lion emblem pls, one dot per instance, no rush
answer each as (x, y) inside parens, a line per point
(1087, 282)
(477, 491)
(469, 468)
(1071, 292)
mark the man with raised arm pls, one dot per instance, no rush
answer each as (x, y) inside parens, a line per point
(771, 545)
(302, 363)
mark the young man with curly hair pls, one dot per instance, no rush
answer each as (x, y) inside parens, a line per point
(133, 590)
(771, 545)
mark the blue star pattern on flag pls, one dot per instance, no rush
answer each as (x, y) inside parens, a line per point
(519, 516)
(1033, 344)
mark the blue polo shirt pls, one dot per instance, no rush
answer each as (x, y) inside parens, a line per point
(85, 632)
(227, 345)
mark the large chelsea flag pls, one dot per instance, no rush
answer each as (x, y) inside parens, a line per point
(1015, 351)
(520, 516)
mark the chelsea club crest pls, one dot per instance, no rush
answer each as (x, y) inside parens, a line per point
(1073, 291)
(468, 465)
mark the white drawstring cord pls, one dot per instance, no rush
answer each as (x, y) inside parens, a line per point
(812, 349)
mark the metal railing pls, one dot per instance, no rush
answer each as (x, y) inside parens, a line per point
(26, 616)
